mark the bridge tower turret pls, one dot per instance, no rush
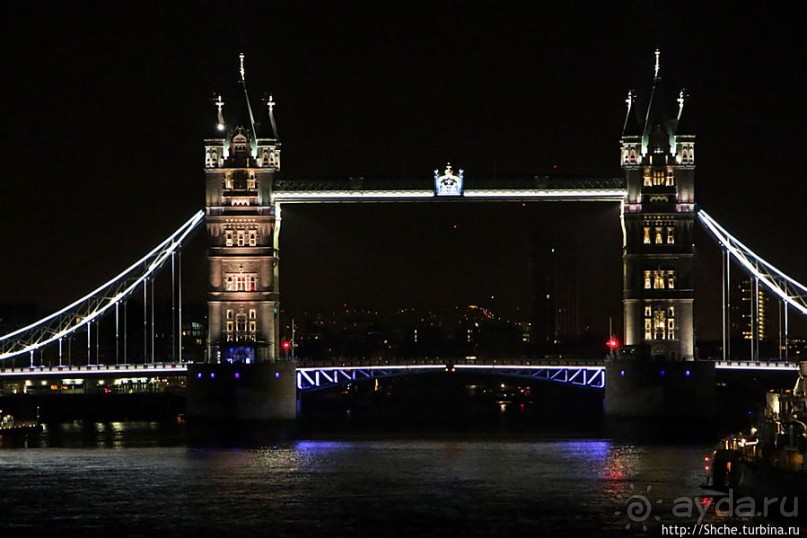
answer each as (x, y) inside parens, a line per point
(244, 379)
(655, 376)
(241, 161)
(658, 157)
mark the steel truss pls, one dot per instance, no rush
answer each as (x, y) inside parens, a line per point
(321, 377)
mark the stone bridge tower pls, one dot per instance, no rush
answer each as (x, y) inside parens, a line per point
(656, 377)
(240, 163)
(243, 379)
(658, 157)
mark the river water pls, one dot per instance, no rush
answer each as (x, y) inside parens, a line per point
(145, 479)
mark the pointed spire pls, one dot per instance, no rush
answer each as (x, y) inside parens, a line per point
(631, 125)
(270, 104)
(680, 104)
(253, 133)
(220, 105)
(655, 106)
(656, 68)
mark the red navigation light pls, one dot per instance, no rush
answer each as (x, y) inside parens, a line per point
(286, 345)
(612, 343)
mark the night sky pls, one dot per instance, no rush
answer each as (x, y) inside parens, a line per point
(105, 106)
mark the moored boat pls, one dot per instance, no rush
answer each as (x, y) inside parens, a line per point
(768, 461)
(9, 425)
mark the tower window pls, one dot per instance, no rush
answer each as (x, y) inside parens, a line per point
(211, 160)
(670, 235)
(646, 235)
(687, 155)
(658, 240)
(252, 313)
(229, 314)
(659, 323)
(230, 329)
(240, 323)
(238, 329)
(238, 236)
(240, 281)
(240, 144)
(658, 279)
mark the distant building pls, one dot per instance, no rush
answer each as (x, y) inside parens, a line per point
(752, 321)
(554, 293)
(747, 317)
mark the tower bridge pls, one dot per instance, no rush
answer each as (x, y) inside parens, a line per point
(245, 376)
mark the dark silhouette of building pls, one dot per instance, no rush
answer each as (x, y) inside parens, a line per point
(554, 293)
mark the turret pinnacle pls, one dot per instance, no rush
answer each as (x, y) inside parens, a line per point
(240, 112)
(631, 126)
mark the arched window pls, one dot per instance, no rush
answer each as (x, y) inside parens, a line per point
(240, 145)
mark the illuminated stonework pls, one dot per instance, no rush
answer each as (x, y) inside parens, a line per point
(658, 157)
(240, 165)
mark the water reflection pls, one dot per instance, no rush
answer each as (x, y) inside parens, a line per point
(81, 434)
(101, 477)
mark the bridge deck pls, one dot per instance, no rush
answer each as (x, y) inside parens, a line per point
(180, 368)
(421, 189)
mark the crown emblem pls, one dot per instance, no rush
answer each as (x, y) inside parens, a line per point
(448, 184)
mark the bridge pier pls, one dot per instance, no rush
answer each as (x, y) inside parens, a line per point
(659, 389)
(242, 393)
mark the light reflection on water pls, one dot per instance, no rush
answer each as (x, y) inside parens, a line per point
(105, 477)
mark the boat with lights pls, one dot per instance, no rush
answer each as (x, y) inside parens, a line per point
(8, 425)
(769, 460)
